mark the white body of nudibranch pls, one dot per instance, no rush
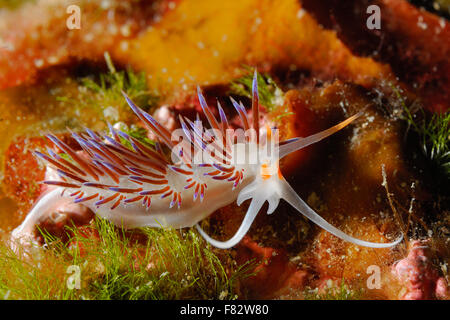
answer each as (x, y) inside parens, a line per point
(134, 185)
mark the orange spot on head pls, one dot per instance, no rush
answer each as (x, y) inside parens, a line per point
(265, 171)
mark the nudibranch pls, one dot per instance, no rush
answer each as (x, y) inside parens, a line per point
(134, 185)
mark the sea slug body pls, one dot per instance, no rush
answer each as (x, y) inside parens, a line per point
(134, 185)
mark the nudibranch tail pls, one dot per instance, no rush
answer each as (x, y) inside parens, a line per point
(43, 208)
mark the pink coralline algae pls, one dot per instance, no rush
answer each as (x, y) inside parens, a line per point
(420, 277)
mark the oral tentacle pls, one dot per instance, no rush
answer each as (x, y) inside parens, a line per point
(273, 201)
(294, 200)
(246, 193)
(250, 216)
